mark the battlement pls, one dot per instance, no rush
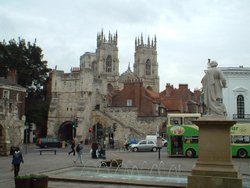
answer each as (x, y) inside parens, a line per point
(101, 39)
(139, 43)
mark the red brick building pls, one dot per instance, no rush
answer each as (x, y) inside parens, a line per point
(148, 102)
(181, 99)
(135, 95)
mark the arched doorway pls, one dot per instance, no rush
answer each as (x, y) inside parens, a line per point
(66, 131)
(97, 133)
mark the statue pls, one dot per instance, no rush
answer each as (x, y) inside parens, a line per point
(212, 83)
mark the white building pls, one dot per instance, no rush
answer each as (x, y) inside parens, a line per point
(236, 96)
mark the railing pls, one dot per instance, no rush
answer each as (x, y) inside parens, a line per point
(241, 116)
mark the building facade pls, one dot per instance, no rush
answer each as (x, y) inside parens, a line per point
(236, 96)
(82, 95)
(181, 100)
(12, 111)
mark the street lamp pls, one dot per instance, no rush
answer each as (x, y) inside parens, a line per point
(26, 135)
(74, 126)
(159, 146)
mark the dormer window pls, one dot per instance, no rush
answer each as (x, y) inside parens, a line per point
(129, 102)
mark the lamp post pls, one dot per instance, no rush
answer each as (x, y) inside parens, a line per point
(26, 136)
(74, 126)
(159, 146)
(104, 143)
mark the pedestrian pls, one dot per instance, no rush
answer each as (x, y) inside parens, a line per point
(73, 144)
(111, 142)
(126, 144)
(99, 151)
(94, 148)
(17, 158)
(79, 151)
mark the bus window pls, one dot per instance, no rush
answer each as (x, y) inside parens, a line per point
(175, 121)
(240, 139)
(191, 139)
(189, 120)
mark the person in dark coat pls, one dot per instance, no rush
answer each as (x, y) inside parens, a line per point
(17, 158)
(94, 148)
(73, 144)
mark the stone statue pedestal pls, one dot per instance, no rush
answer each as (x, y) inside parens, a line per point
(214, 167)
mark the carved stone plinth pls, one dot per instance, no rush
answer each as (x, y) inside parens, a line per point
(214, 168)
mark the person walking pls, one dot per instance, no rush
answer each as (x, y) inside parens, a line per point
(17, 158)
(79, 151)
(94, 148)
(73, 144)
(126, 144)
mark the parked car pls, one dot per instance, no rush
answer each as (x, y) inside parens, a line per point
(143, 145)
(49, 142)
(154, 138)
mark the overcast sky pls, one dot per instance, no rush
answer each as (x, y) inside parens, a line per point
(188, 32)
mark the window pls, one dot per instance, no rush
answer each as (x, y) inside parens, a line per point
(109, 64)
(143, 142)
(191, 139)
(240, 139)
(189, 120)
(150, 142)
(240, 106)
(129, 102)
(6, 94)
(148, 67)
(175, 121)
(17, 97)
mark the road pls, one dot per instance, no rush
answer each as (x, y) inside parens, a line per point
(47, 162)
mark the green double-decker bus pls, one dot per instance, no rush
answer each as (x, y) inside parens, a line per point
(183, 136)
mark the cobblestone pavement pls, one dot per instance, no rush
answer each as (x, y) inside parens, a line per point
(47, 162)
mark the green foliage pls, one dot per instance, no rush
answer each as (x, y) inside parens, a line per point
(26, 59)
(38, 176)
(37, 112)
(23, 177)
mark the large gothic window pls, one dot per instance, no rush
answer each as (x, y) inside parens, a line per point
(94, 66)
(109, 64)
(240, 106)
(148, 67)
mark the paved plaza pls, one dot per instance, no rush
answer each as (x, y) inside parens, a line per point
(48, 162)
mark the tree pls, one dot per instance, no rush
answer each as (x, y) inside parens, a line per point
(26, 59)
(32, 73)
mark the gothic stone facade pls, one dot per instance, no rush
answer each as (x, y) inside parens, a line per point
(84, 89)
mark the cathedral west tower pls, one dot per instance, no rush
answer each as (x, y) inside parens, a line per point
(146, 65)
(107, 62)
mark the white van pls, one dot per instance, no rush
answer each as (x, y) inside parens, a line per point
(154, 138)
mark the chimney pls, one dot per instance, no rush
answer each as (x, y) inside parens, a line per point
(12, 76)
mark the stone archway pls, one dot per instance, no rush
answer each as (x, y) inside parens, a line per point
(97, 132)
(66, 131)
